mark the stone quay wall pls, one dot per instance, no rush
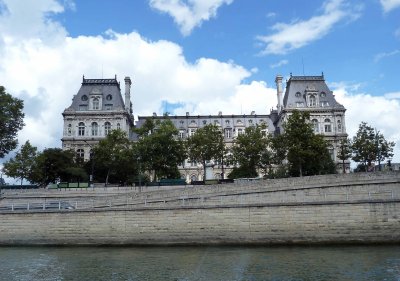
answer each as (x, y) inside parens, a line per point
(266, 220)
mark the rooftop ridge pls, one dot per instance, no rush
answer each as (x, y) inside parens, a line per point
(309, 77)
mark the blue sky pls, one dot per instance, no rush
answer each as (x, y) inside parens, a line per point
(200, 56)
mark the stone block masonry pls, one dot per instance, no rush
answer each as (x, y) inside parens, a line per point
(331, 222)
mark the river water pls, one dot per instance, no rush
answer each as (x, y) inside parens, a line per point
(200, 263)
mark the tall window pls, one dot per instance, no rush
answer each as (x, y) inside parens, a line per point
(228, 133)
(315, 125)
(328, 127)
(118, 126)
(339, 125)
(95, 129)
(182, 134)
(107, 128)
(81, 129)
(69, 129)
(312, 101)
(240, 131)
(80, 154)
(96, 104)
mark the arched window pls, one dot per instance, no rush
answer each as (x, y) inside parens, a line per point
(107, 128)
(328, 127)
(95, 129)
(69, 129)
(118, 126)
(315, 125)
(81, 129)
(339, 125)
(96, 104)
(193, 178)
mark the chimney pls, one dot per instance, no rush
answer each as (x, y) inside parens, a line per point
(278, 81)
(128, 94)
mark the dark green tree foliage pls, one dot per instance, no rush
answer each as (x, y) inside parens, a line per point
(206, 144)
(11, 121)
(307, 153)
(344, 152)
(114, 158)
(51, 165)
(369, 146)
(159, 149)
(251, 152)
(21, 165)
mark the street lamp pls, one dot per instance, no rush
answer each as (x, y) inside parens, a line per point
(139, 176)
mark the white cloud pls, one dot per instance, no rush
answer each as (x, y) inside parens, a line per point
(189, 14)
(302, 32)
(278, 64)
(380, 112)
(389, 5)
(46, 74)
(392, 95)
(380, 56)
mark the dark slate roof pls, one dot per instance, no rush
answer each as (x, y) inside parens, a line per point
(299, 84)
(105, 87)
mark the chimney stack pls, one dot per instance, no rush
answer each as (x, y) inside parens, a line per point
(278, 81)
(128, 84)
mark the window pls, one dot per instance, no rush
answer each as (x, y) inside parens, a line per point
(109, 97)
(216, 123)
(80, 154)
(323, 94)
(324, 103)
(228, 133)
(315, 125)
(107, 128)
(192, 132)
(95, 129)
(264, 133)
(240, 131)
(328, 127)
(81, 129)
(204, 122)
(227, 122)
(299, 104)
(118, 126)
(239, 122)
(339, 125)
(84, 98)
(298, 94)
(331, 153)
(108, 106)
(312, 101)
(182, 134)
(69, 129)
(96, 104)
(250, 122)
(181, 123)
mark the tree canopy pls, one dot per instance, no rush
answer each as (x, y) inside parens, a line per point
(159, 149)
(22, 164)
(307, 152)
(11, 121)
(370, 146)
(250, 151)
(206, 144)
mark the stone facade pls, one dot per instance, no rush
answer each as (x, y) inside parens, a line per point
(96, 109)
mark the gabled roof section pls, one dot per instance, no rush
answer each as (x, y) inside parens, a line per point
(108, 89)
(297, 88)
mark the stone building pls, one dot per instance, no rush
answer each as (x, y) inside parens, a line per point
(96, 109)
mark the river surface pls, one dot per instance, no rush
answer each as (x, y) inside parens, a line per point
(200, 263)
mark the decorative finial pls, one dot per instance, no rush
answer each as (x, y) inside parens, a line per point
(83, 78)
(290, 74)
(322, 74)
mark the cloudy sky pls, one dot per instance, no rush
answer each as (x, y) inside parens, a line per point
(201, 56)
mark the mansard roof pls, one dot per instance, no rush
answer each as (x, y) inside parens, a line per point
(298, 86)
(108, 89)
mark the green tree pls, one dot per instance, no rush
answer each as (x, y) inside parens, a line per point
(11, 121)
(21, 165)
(250, 151)
(51, 165)
(115, 156)
(206, 144)
(159, 149)
(307, 153)
(370, 146)
(344, 152)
